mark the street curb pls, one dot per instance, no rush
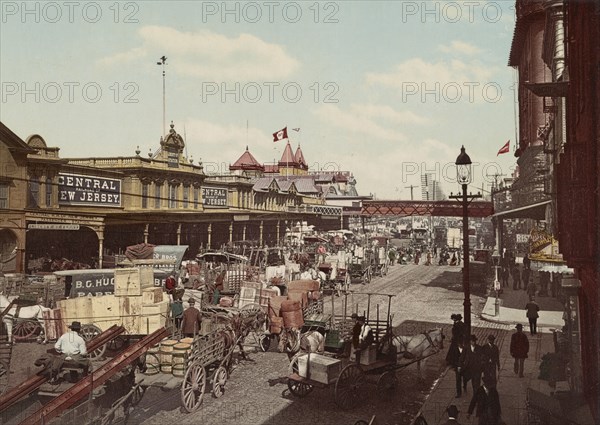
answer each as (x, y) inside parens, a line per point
(438, 382)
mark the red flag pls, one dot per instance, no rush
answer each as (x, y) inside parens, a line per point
(280, 135)
(504, 149)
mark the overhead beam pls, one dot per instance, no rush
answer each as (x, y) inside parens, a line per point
(425, 208)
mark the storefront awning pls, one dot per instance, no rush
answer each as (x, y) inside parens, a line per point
(533, 211)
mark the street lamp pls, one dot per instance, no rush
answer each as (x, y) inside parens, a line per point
(496, 260)
(464, 177)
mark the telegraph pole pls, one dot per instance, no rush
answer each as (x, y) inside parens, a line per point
(411, 187)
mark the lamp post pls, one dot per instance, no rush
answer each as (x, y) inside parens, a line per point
(496, 260)
(464, 177)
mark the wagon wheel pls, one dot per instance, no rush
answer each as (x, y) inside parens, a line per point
(299, 389)
(117, 343)
(349, 386)
(25, 329)
(193, 386)
(386, 385)
(88, 332)
(4, 371)
(218, 382)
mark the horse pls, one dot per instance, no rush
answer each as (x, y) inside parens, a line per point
(419, 346)
(9, 315)
(292, 341)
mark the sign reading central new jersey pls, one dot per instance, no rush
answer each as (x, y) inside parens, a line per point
(214, 197)
(75, 189)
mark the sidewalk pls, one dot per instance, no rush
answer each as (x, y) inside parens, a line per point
(511, 388)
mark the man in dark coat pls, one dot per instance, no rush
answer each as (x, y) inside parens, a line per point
(458, 328)
(516, 275)
(519, 348)
(487, 402)
(192, 320)
(532, 314)
(455, 360)
(473, 363)
(491, 359)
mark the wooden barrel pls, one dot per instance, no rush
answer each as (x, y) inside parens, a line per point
(166, 355)
(186, 340)
(153, 361)
(180, 352)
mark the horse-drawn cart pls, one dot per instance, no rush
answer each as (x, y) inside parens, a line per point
(375, 364)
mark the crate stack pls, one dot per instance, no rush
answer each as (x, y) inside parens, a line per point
(137, 304)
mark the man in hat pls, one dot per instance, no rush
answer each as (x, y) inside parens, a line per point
(491, 358)
(487, 402)
(472, 363)
(365, 336)
(70, 347)
(452, 411)
(458, 328)
(191, 321)
(519, 348)
(532, 314)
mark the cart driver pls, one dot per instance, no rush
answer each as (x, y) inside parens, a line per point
(71, 348)
(365, 337)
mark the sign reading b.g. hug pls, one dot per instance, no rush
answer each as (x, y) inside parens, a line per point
(75, 189)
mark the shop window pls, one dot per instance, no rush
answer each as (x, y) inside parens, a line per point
(48, 192)
(3, 195)
(196, 197)
(186, 196)
(172, 196)
(157, 196)
(145, 189)
(34, 193)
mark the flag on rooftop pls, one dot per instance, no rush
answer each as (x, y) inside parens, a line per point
(504, 149)
(296, 129)
(280, 135)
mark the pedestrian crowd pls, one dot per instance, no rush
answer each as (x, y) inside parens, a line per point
(480, 365)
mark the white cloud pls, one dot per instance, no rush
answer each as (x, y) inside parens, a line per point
(461, 47)
(443, 72)
(375, 121)
(211, 56)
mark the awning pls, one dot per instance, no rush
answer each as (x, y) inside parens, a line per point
(534, 211)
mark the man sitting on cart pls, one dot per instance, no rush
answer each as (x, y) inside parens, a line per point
(70, 348)
(192, 320)
(365, 337)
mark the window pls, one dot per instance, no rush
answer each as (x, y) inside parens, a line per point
(157, 189)
(34, 193)
(145, 189)
(172, 196)
(186, 196)
(48, 192)
(3, 195)
(196, 196)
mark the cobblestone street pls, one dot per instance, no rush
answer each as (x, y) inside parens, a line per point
(257, 393)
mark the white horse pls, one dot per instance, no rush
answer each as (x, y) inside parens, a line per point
(292, 341)
(34, 312)
(419, 346)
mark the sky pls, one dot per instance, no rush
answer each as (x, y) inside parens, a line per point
(388, 90)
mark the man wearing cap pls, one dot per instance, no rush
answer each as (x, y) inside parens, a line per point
(452, 411)
(491, 358)
(519, 348)
(365, 336)
(191, 321)
(70, 347)
(458, 328)
(532, 314)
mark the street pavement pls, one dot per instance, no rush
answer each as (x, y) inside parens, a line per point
(511, 388)
(424, 298)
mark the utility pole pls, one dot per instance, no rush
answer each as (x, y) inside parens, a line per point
(163, 61)
(411, 187)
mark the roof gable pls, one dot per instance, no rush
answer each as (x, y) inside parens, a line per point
(246, 162)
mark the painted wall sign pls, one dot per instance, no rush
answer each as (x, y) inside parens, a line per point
(75, 189)
(214, 197)
(52, 226)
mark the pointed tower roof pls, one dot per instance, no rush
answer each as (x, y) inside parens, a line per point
(288, 157)
(246, 162)
(299, 157)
